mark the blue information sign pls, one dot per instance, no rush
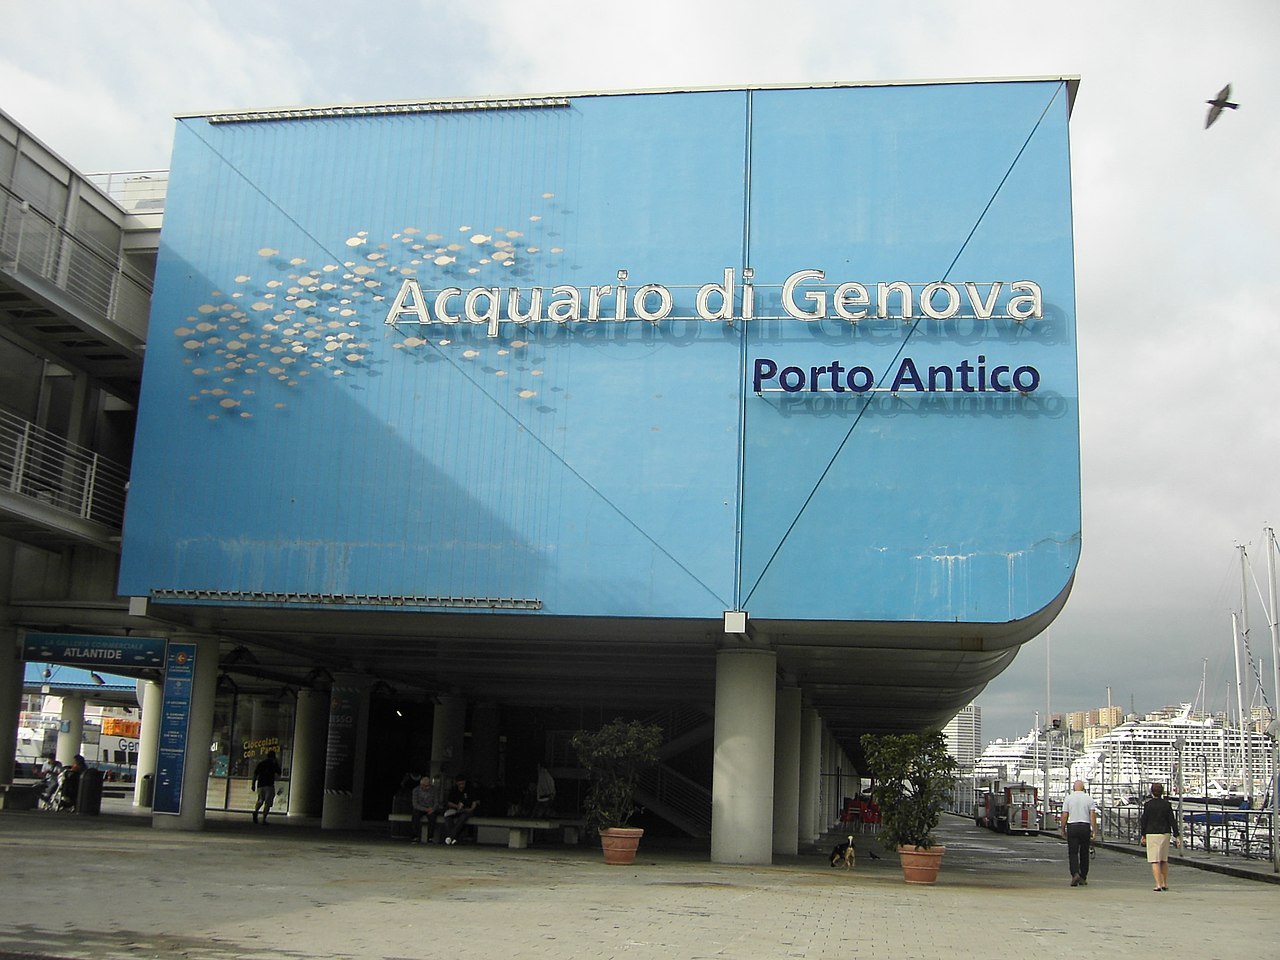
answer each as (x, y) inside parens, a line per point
(88, 650)
(175, 715)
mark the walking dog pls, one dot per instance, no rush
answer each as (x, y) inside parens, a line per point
(844, 853)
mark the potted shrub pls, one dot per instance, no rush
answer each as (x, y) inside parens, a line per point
(914, 780)
(614, 755)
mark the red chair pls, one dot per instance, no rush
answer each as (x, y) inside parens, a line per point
(850, 812)
(871, 816)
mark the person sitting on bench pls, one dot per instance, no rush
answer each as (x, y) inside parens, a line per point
(426, 803)
(462, 803)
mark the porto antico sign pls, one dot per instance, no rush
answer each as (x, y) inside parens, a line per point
(805, 295)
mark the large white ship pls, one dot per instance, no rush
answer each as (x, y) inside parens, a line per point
(1023, 760)
(1218, 761)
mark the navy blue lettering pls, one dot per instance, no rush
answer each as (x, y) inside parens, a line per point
(860, 373)
(907, 373)
(796, 376)
(765, 370)
(1032, 379)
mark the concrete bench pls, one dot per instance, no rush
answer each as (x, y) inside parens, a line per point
(516, 832)
(19, 796)
(401, 825)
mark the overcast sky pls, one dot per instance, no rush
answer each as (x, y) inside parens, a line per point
(1177, 229)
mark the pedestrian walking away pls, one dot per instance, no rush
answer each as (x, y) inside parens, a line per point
(264, 781)
(1158, 827)
(1080, 827)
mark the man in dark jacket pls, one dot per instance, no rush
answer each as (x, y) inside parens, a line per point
(69, 788)
(1155, 826)
(264, 781)
(462, 803)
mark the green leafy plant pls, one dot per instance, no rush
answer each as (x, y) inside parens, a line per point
(614, 755)
(914, 781)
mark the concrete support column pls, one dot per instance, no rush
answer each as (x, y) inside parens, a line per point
(150, 699)
(345, 753)
(828, 779)
(486, 744)
(448, 731)
(810, 773)
(70, 729)
(742, 773)
(306, 775)
(786, 772)
(11, 670)
(195, 771)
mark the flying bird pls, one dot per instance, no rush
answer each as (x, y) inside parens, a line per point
(1218, 104)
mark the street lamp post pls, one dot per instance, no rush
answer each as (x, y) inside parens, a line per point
(1178, 743)
(1205, 761)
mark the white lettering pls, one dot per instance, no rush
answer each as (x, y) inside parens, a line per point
(806, 295)
(490, 315)
(818, 297)
(1031, 297)
(926, 301)
(568, 308)
(703, 307)
(641, 302)
(850, 295)
(408, 301)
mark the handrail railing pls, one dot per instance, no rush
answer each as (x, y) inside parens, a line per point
(49, 469)
(138, 191)
(30, 242)
(684, 796)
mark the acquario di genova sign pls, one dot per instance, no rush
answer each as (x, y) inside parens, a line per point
(806, 295)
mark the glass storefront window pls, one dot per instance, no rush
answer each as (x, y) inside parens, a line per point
(245, 727)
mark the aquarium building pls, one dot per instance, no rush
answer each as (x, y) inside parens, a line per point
(467, 424)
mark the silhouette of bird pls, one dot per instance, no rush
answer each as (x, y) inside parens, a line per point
(1218, 104)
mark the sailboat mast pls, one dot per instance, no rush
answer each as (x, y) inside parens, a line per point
(1244, 638)
(1273, 619)
(1235, 649)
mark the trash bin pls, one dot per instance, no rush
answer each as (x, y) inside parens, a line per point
(147, 791)
(89, 798)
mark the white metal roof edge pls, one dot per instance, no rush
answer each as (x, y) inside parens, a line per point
(319, 111)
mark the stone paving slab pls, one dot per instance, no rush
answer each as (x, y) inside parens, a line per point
(112, 887)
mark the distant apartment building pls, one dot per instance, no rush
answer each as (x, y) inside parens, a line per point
(1107, 717)
(964, 737)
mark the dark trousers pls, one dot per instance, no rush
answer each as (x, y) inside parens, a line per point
(416, 829)
(453, 825)
(1079, 836)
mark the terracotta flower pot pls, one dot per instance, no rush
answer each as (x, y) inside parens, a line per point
(920, 864)
(620, 843)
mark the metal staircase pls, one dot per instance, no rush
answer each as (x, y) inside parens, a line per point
(674, 797)
(683, 802)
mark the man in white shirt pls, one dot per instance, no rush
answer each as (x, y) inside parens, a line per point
(1080, 827)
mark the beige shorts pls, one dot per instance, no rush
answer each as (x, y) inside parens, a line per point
(1157, 847)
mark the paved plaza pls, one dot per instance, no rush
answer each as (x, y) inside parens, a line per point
(113, 887)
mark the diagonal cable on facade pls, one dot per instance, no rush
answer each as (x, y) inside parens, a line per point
(905, 340)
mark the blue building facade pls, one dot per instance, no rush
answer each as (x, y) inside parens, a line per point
(804, 353)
